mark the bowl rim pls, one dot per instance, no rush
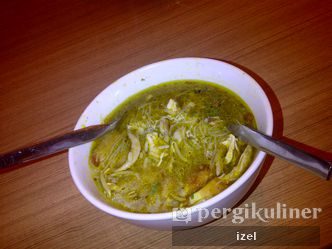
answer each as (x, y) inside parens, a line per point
(205, 204)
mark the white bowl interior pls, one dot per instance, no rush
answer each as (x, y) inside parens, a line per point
(175, 69)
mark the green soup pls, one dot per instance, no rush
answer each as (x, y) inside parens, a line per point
(172, 147)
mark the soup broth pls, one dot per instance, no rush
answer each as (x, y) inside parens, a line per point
(171, 147)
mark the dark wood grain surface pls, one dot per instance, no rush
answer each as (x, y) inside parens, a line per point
(56, 56)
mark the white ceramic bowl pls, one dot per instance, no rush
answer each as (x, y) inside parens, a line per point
(175, 69)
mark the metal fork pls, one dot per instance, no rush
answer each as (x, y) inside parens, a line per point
(54, 145)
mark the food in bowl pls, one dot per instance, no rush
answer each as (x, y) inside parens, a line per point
(219, 72)
(171, 147)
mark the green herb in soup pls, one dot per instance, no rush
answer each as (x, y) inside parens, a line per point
(172, 147)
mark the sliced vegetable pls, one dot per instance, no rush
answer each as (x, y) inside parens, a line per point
(238, 170)
(212, 188)
(156, 145)
(232, 154)
(134, 152)
(172, 107)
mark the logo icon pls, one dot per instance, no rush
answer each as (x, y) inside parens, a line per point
(182, 214)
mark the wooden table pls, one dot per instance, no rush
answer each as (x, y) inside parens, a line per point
(56, 56)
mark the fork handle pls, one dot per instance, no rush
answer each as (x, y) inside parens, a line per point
(282, 150)
(51, 146)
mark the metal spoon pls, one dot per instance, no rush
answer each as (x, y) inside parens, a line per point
(54, 145)
(280, 149)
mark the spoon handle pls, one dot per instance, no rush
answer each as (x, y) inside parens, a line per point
(52, 146)
(285, 151)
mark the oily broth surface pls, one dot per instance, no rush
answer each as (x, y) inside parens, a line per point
(172, 147)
